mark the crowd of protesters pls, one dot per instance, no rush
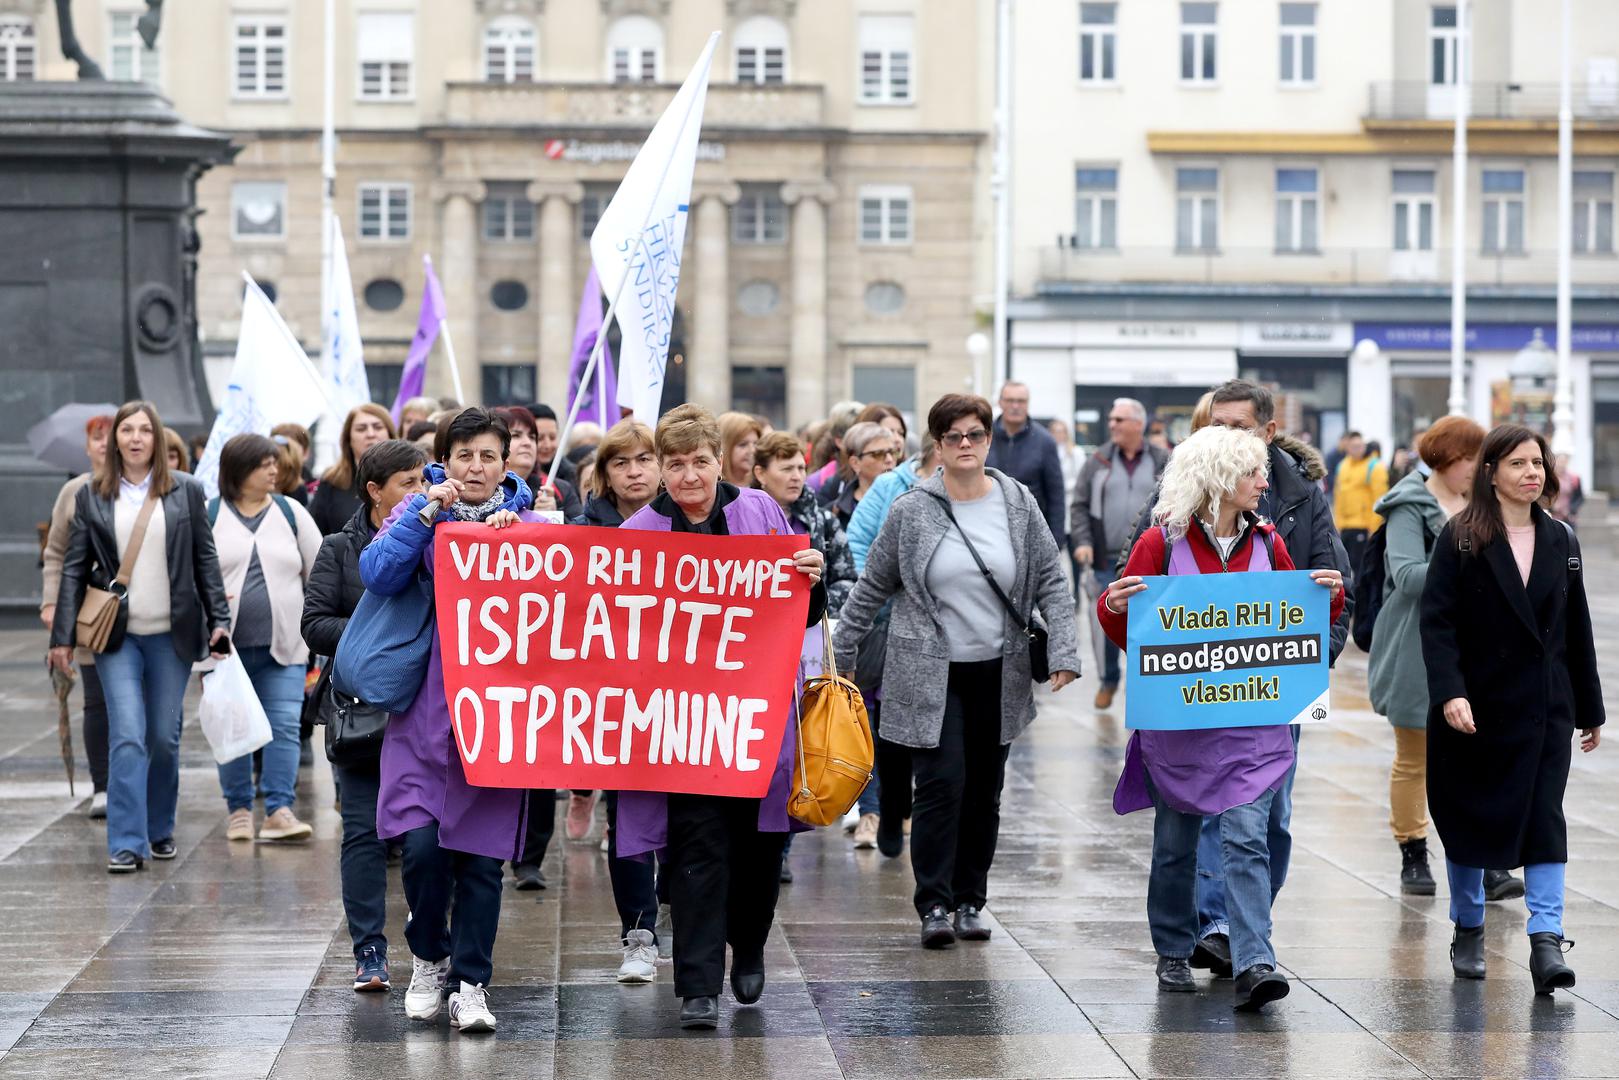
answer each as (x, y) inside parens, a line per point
(932, 553)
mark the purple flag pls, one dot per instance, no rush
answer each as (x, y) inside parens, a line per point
(427, 326)
(602, 409)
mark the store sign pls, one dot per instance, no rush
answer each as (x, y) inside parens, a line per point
(1486, 337)
(1310, 338)
(1153, 333)
(594, 153)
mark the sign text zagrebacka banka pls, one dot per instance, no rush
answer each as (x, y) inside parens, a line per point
(618, 660)
(1227, 650)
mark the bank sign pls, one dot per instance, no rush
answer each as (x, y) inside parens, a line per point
(594, 153)
(1486, 337)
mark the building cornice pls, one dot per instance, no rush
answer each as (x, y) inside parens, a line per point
(1392, 138)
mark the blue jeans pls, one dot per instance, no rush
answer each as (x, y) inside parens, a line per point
(1111, 675)
(1542, 895)
(1211, 905)
(870, 801)
(145, 685)
(281, 691)
(1171, 888)
(365, 857)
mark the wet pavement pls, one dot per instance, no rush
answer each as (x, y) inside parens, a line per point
(233, 961)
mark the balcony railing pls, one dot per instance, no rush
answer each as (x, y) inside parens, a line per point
(732, 105)
(1491, 101)
(1330, 266)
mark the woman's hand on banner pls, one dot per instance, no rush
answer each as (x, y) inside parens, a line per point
(1060, 679)
(1331, 579)
(1459, 715)
(1119, 593)
(809, 563)
(501, 519)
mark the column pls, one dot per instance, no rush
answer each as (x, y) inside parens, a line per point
(708, 358)
(807, 359)
(557, 205)
(457, 267)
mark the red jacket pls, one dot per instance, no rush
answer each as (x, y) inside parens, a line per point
(1147, 559)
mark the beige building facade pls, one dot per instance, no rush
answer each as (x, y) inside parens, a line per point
(837, 227)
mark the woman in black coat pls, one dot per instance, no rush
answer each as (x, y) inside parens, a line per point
(1512, 672)
(387, 474)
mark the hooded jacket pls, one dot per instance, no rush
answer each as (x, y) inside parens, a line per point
(1360, 483)
(1397, 680)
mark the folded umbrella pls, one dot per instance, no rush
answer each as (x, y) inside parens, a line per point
(58, 440)
(63, 682)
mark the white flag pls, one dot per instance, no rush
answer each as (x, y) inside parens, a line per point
(636, 247)
(342, 357)
(272, 382)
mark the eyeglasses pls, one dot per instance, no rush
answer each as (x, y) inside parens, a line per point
(977, 437)
(873, 455)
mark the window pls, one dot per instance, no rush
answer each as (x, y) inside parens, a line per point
(386, 45)
(635, 50)
(1197, 214)
(1593, 212)
(385, 212)
(1442, 45)
(1096, 208)
(1098, 42)
(1503, 212)
(759, 217)
(258, 210)
(1198, 34)
(384, 380)
(885, 215)
(128, 57)
(883, 382)
(760, 391)
(261, 58)
(597, 196)
(508, 51)
(1298, 207)
(17, 50)
(1413, 209)
(761, 51)
(509, 295)
(508, 216)
(508, 384)
(384, 294)
(1298, 44)
(886, 51)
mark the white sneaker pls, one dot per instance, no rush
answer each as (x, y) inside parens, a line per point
(666, 934)
(640, 958)
(426, 990)
(98, 805)
(469, 1009)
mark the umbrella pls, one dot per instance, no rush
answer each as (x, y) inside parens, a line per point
(58, 439)
(63, 682)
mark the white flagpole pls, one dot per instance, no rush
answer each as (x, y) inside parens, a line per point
(327, 442)
(1563, 398)
(1458, 218)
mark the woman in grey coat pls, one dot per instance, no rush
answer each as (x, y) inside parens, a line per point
(957, 683)
(1414, 512)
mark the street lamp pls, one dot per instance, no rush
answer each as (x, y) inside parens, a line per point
(978, 349)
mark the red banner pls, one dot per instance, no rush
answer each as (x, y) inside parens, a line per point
(618, 660)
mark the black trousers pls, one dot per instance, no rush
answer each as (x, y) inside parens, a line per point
(893, 770)
(957, 816)
(726, 878)
(1354, 546)
(454, 900)
(635, 880)
(95, 726)
(365, 856)
(542, 823)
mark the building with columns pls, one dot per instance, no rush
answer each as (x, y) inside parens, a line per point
(836, 245)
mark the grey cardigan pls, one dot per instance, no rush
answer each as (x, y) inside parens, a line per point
(917, 665)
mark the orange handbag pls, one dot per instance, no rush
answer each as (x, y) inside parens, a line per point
(835, 751)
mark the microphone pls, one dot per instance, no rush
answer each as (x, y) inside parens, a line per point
(429, 513)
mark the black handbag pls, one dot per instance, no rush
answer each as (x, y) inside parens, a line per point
(1039, 661)
(354, 730)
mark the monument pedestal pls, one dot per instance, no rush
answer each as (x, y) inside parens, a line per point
(98, 260)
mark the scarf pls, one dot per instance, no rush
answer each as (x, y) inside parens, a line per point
(462, 511)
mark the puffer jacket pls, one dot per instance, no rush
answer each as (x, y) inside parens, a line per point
(1360, 483)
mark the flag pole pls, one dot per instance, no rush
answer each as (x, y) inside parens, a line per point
(612, 307)
(328, 439)
(449, 345)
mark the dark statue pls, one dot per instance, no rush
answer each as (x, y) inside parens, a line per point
(148, 26)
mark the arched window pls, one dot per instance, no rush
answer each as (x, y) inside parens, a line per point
(16, 50)
(509, 51)
(635, 50)
(761, 50)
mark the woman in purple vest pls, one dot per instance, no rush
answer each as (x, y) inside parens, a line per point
(1207, 525)
(726, 852)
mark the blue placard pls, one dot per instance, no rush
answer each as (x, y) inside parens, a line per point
(1227, 650)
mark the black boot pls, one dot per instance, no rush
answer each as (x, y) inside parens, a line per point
(1501, 885)
(700, 1013)
(1415, 877)
(1467, 953)
(1214, 953)
(937, 933)
(1546, 965)
(1257, 987)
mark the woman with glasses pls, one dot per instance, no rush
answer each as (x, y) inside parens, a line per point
(957, 677)
(869, 450)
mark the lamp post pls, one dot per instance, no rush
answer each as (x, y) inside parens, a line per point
(1458, 224)
(978, 349)
(1563, 399)
(1001, 181)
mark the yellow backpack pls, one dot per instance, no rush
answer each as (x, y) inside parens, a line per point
(835, 752)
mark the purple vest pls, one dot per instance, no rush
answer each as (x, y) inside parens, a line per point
(1208, 771)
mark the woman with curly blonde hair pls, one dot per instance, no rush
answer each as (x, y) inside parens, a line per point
(1207, 524)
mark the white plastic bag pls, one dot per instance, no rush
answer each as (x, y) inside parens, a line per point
(232, 718)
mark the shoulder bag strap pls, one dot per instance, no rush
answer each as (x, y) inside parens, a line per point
(989, 576)
(829, 662)
(126, 568)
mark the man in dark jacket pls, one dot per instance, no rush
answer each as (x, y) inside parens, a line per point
(1302, 514)
(1027, 452)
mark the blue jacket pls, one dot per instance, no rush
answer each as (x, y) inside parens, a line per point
(870, 513)
(1030, 456)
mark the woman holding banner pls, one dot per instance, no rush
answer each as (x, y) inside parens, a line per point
(1206, 524)
(1512, 674)
(455, 836)
(726, 850)
(958, 671)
